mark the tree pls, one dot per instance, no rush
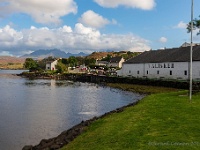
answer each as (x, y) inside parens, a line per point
(42, 64)
(30, 64)
(196, 25)
(107, 58)
(90, 61)
(72, 61)
(80, 60)
(61, 68)
(64, 61)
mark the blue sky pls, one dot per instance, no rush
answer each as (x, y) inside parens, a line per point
(94, 25)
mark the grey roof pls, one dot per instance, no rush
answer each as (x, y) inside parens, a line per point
(181, 54)
(50, 61)
(102, 62)
(115, 59)
(188, 44)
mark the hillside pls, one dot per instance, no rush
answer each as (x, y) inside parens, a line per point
(8, 62)
(125, 54)
(99, 55)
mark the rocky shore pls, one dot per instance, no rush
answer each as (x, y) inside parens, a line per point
(69, 135)
(179, 84)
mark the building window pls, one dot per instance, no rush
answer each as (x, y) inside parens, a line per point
(158, 72)
(185, 72)
(170, 73)
(172, 65)
(138, 72)
(147, 72)
(129, 71)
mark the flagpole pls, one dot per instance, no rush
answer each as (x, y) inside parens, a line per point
(191, 50)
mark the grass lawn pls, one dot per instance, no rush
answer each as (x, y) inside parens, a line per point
(164, 121)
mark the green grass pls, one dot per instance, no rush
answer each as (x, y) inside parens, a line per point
(166, 121)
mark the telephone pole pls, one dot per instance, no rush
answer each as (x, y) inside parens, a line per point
(191, 50)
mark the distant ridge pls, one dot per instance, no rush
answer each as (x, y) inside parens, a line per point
(51, 52)
(10, 59)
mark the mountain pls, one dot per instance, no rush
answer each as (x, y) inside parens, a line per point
(52, 52)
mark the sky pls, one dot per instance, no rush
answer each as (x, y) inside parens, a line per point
(94, 25)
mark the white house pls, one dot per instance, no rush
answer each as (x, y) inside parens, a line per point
(163, 64)
(116, 62)
(51, 65)
(101, 63)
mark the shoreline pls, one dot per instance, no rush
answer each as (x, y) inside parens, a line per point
(69, 135)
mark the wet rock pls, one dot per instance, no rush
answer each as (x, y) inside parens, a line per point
(54, 147)
(28, 147)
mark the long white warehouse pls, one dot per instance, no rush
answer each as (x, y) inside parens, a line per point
(163, 64)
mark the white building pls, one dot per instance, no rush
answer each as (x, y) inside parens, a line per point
(116, 62)
(101, 63)
(51, 65)
(163, 64)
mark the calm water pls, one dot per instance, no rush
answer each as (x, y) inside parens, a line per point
(32, 110)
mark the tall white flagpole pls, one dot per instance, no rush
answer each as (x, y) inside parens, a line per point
(191, 50)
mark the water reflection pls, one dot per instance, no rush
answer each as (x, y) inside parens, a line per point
(52, 83)
(32, 110)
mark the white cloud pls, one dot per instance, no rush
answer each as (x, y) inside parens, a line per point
(9, 36)
(163, 39)
(81, 29)
(42, 11)
(79, 39)
(92, 19)
(181, 25)
(66, 29)
(141, 4)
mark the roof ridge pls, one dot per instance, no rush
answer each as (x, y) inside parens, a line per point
(180, 54)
